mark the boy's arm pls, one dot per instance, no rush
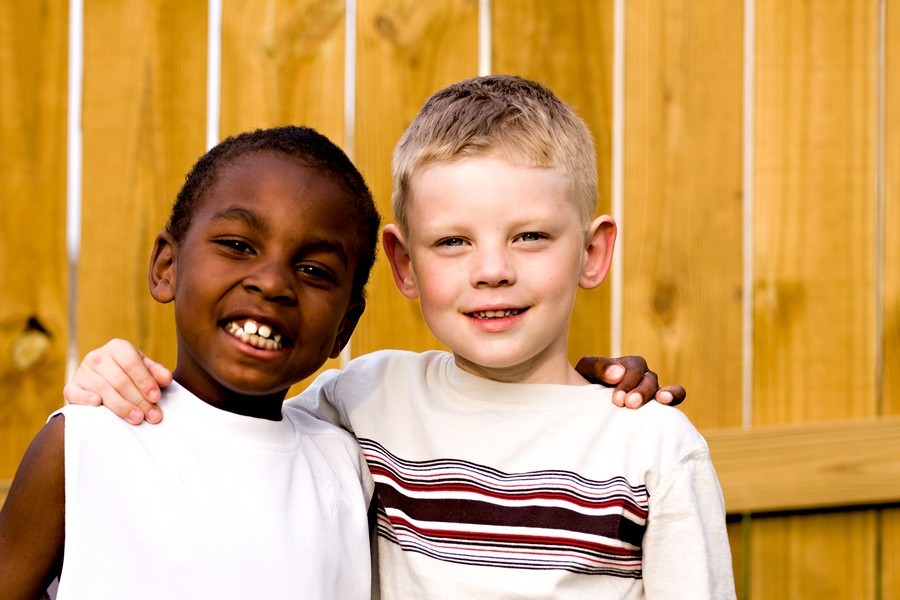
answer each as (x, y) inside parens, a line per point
(119, 376)
(686, 552)
(32, 522)
(635, 383)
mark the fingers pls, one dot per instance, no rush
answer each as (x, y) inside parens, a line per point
(160, 374)
(95, 388)
(75, 394)
(638, 395)
(118, 374)
(673, 395)
(635, 383)
(600, 369)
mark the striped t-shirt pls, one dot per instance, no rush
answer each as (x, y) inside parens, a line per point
(496, 490)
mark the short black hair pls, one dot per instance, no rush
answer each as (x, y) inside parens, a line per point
(309, 147)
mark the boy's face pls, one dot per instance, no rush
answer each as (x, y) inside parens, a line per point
(496, 253)
(271, 248)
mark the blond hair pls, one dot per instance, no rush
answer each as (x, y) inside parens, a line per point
(519, 119)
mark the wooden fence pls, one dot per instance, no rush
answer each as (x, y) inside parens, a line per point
(750, 152)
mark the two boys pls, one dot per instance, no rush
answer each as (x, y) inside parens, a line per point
(499, 470)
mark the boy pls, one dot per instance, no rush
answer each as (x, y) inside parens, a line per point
(266, 255)
(499, 471)
(521, 481)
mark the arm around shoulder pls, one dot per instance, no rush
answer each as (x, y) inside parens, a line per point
(32, 521)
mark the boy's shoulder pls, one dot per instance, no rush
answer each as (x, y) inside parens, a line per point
(306, 423)
(668, 427)
(335, 446)
(76, 414)
(655, 414)
(380, 362)
(398, 357)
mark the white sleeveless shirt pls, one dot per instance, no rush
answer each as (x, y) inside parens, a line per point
(210, 504)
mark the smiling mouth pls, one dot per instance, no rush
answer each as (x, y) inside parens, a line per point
(256, 334)
(496, 314)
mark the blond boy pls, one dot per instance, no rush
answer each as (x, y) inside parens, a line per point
(500, 472)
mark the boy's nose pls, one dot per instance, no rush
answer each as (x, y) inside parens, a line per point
(493, 267)
(273, 280)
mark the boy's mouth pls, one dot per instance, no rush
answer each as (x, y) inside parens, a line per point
(256, 334)
(496, 314)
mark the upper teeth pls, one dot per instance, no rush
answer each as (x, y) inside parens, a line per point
(255, 334)
(491, 314)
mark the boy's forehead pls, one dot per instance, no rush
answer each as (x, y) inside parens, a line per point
(259, 171)
(485, 188)
(279, 183)
(490, 170)
(496, 158)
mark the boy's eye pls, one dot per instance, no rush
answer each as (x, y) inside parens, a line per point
(238, 246)
(316, 272)
(532, 236)
(451, 242)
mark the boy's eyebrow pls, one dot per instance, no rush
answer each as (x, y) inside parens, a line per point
(322, 244)
(237, 213)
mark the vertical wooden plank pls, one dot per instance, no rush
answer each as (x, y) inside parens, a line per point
(814, 269)
(283, 63)
(406, 50)
(683, 211)
(143, 126)
(890, 530)
(891, 225)
(889, 577)
(33, 263)
(568, 46)
(817, 556)
(815, 210)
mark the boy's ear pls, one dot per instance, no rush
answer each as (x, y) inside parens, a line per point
(351, 318)
(598, 251)
(397, 253)
(162, 268)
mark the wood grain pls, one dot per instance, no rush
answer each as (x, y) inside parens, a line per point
(283, 63)
(143, 127)
(891, 223)
(682, 221)
(890, 226)
(815, 168)
(806, 466)
(815, 95)
(34, 283)
(830, 555)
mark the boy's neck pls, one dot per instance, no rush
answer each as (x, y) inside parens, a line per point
(556, 371)
(267, 406)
